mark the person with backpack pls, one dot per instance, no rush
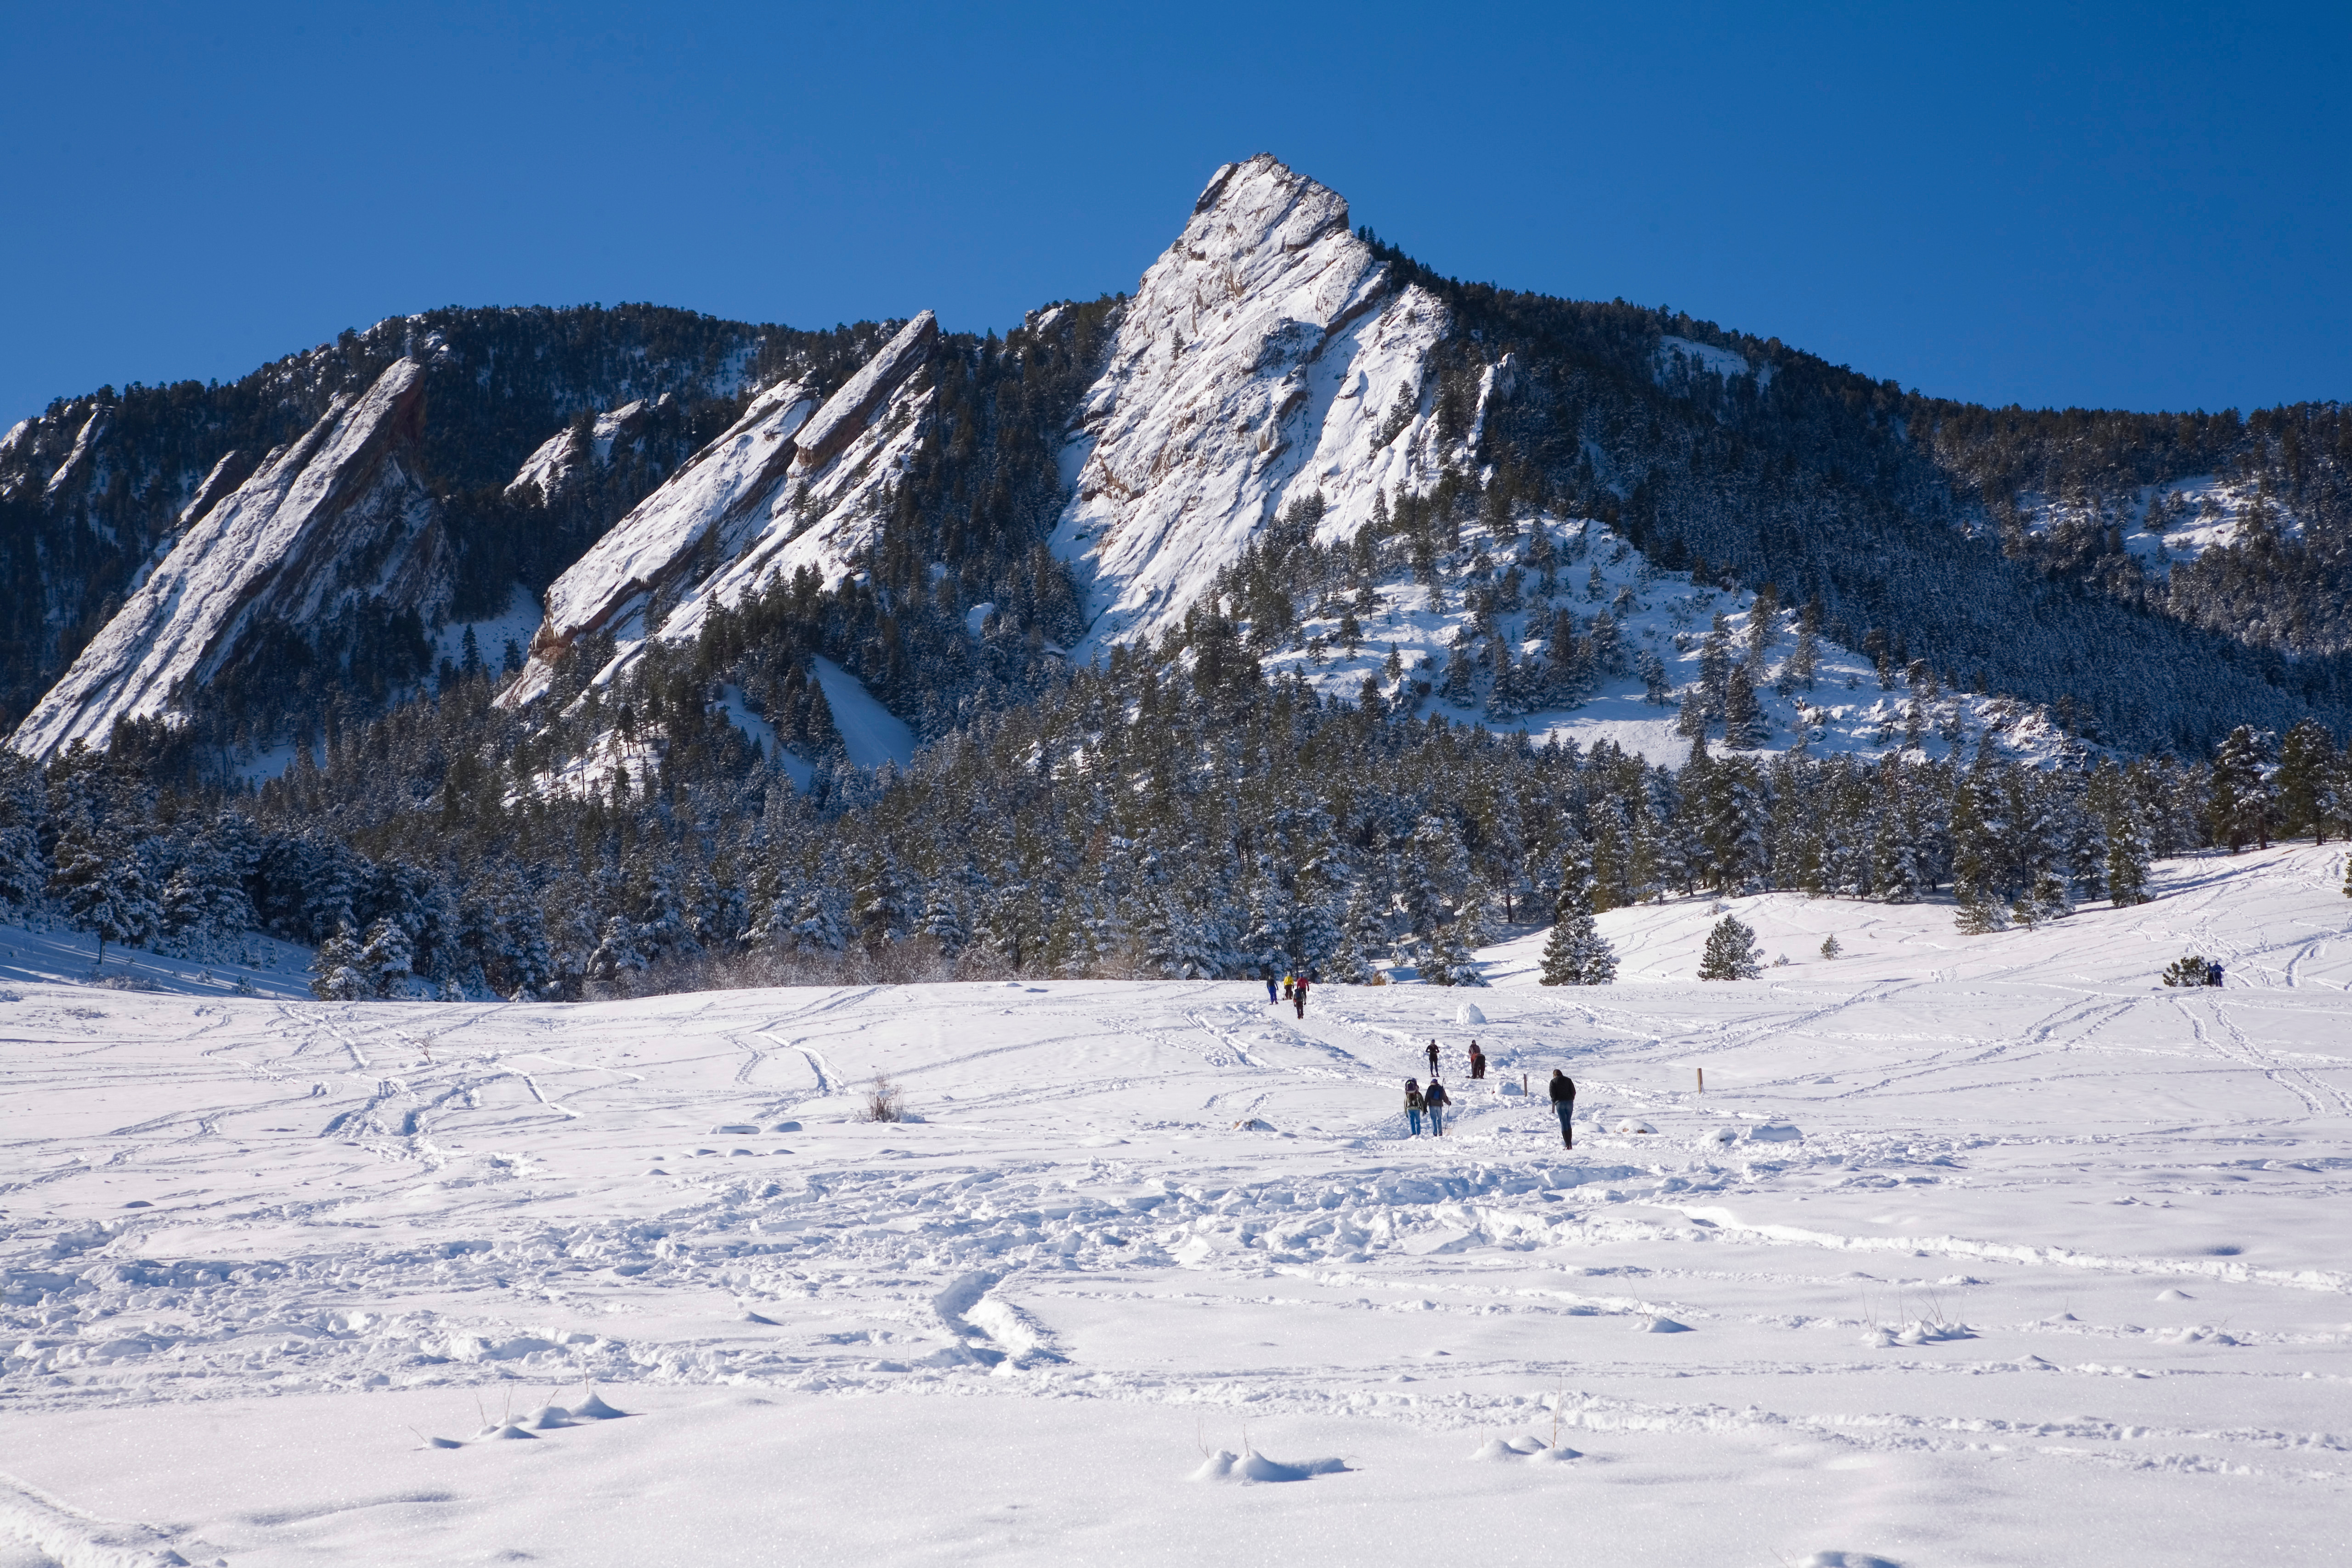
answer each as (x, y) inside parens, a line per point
(1478, 1061)
(1286, 983)
(1298, 993)
(1563, 1102)
(1413, 1106)
(1435, 1097)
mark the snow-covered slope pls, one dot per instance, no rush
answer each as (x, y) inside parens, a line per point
(1594, 573)
(282, 545)
(792, 484)
(552, 465)
(1974, 1251)
(1266, 353)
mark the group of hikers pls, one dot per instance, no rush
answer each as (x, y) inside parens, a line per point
(1432, 1102)
(1294, 987)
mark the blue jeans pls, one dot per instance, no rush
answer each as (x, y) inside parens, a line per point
(1413, 1116)
(1567, 1108)
(1437, 1121)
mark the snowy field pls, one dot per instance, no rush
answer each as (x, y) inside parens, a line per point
(1974, 1251)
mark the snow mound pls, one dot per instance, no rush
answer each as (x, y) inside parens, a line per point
(2174, 1296)
(547, 1418)
(1251, 1124)
(497, 1432)
(1531, 1447)
(1661, 1325)
(1631, 1127)
(594, 1408)
(1250, 1467)
(1468, 1012)
(1916, 1334)
(1847, 1560)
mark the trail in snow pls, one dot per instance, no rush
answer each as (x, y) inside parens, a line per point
(2016, 1223)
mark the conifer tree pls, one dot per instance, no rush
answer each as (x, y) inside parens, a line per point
(1576, 954)
(2241, 795)
(2305, 779)
(1731, 952)
(101, 885)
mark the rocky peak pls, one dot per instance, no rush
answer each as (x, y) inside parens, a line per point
(282, 545)
(1262, 356)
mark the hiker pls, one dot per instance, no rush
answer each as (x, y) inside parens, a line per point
(1478, 1061)
(1298, 991)
(2212, 974)
(1287, 985)
(1437, 1099)
(1413, 1103)
(1563, 1101)
(1432, 1055)
(1269, 988)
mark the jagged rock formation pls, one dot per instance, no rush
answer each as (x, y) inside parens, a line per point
(571, 449)
(792, 484)
(342, 514)
(1268, 353)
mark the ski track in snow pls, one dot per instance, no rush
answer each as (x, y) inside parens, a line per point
(1939, 1199)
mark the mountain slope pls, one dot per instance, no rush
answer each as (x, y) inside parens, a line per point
(282, 547)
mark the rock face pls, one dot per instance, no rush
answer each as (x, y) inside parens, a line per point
(1267, 355)
(794, 483)
(340, 516)
(568, 450)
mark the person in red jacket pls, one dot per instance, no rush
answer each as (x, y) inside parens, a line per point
(1298, 993)
(1478, 1061)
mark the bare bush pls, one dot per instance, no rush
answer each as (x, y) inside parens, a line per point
(885, 1102)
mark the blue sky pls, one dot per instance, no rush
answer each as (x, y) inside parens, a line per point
(2141, 205)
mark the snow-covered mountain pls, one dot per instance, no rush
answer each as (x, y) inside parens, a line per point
(794, 483)
(339, 517)
(1268, 353)
(1272, 364)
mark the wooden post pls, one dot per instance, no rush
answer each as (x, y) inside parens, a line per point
(1702, 1081)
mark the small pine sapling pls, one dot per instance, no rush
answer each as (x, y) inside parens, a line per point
(1829, 948)
(2189, 969)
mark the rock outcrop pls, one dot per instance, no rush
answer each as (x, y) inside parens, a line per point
(1267, 355)
(341, 515)
(794, 483)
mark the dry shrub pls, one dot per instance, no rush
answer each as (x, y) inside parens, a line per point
(883, 1101)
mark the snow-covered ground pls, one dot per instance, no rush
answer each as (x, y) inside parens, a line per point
(1981, 1251)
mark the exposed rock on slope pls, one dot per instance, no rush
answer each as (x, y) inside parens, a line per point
(792, 484)
(561, 454)
(340, 516)
(1268, 353)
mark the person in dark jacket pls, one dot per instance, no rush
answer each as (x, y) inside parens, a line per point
(1298, 993)
(1413, 1106)
(1563, 1102)
(1269, 985)
(1432, 1055)
(1437, 1099)
(1478, 1061)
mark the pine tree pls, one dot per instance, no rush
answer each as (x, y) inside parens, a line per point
(2127, 861)
(335, 974)
(1980, 913)
(2188, 970)
(1576, 954)
(1743, 716)
(2306, 772)
(385, 957)
(2241, 795)
(103, 889)
(1829, 948)
(1731, 953)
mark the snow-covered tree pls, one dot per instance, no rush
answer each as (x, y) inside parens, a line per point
(1731, 953)
(102, 888)
(2240, 798)
(1576, 954)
